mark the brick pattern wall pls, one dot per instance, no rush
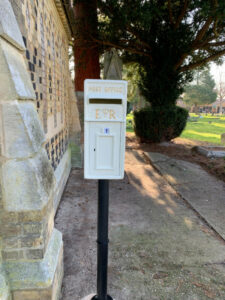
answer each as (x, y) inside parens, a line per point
(46, 54)
(56, 147)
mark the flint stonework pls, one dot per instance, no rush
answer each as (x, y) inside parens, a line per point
(31, 250)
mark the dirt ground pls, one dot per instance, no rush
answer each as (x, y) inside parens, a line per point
(181, 148)
(160, 249)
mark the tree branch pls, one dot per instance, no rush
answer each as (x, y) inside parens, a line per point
(217, 44)
(208, 22)
(196, 44)
(122, 47)
(132, 31)
(200, 45)
(180, 61)
(182, 13)
(170, 12)
(202, 31)
(106, 9)
(203, 61)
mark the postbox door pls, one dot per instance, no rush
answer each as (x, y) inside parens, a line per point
(105, 148)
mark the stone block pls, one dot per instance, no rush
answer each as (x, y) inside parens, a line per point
(21, 130)
(32, 228)
(14, 75)
(61, 175)
(10, 243)
(13, 255)
(32, 216)
(10, 230)
(33, 295)
(48, 226)
(9, 28)
(34, 253)
(38, 279)
(223, 138)
(8, 217)
(28, 184)
(4, 287)
(31, 241)
(27, 240)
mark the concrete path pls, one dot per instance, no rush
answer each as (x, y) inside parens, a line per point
(203, 192)
(159, 247)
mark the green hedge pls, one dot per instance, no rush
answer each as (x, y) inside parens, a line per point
(158, 124)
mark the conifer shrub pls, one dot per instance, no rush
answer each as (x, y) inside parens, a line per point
(157, 124)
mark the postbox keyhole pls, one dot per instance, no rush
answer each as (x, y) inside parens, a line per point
(94, 149)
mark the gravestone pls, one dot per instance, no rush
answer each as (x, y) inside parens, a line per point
(223, 138)
(112, 65)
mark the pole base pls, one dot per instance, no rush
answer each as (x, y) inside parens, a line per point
(89, 297)
(96, 298)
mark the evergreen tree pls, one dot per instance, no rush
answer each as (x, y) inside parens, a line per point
(202, 91)
(168, 39)
(221, 91)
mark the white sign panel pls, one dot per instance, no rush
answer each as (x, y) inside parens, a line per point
(105, 104)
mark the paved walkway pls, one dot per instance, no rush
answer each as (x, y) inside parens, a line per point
(160, 248)
(204, 192)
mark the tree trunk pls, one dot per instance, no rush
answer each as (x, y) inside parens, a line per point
(195, 108)
(221, 108)
(86, 51)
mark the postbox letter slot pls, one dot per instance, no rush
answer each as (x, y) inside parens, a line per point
(105, 101)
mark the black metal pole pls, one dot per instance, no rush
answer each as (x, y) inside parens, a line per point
(102, 241)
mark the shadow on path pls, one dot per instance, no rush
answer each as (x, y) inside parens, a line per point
(159, 248)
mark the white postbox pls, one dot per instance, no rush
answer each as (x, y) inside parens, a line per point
(105, 104)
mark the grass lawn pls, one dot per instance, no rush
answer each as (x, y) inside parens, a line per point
(204, 128)
(130, 123)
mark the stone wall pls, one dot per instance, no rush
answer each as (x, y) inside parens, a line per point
(38, 123)
(46, 35)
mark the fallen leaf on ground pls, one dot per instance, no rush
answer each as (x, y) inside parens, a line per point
(210, 294)
(160, 275)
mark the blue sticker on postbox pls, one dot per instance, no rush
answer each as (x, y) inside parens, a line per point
(106, 131)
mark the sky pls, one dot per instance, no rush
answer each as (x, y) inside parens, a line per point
(217, 72)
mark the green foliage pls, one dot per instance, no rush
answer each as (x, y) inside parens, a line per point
(157, 124)
(167, 39)
(129, 122)
(130, 73)
(202, 91)
(161, 87)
